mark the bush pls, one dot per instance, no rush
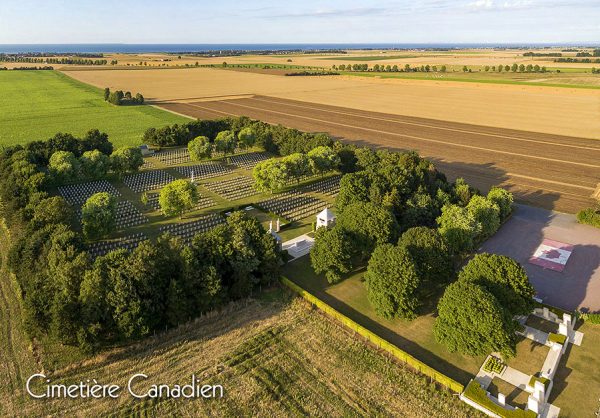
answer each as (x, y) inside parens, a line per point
(589, 216)
(477, 394)
(494, 365)
(557, 338)
(592, 318)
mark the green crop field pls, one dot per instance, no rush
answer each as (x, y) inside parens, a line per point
(37, 104)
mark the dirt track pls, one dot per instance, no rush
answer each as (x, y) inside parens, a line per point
(552, 171)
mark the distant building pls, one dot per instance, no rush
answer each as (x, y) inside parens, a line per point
(326, 218)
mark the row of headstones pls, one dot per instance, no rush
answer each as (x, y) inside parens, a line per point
(182, 155)
(203, 202)
(204, 170)
(147, 180)
(293, 205)
(147, 164)
(187, 231)
(329, 186)
(248, 161)
(77, 194)
(232, 189)
(129, 242)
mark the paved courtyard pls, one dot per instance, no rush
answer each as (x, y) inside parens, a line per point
(578, 285)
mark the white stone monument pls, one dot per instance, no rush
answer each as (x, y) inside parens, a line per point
(326, 218)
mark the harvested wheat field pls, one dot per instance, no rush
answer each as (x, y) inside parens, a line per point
(552, 171)
(272, 359)
(572, 112)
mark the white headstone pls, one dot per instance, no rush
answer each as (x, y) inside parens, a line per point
(192, 176)
(277, 225)
(270, 227)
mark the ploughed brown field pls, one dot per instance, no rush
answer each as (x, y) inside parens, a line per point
(548, 170)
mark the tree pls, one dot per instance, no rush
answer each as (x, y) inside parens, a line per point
(246, 138)
(430, 254)
(323, 159)
(200, 148)
(471, 321)
(139, 99)
(392, 282)
(94, 164)
(504, 278)
(504, 200)
(462, 191)
(126, 160)
(177, 197)
(368, 225)
(106, 93)
(270, 175)
(458, 227)
(331, 253)
(354, 188)
(98, 215)
(366, 158)
(297, 166)
(225, 142)
(487, 214)
(64, 166)
(52, 210)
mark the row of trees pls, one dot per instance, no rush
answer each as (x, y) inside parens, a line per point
(202, 148)
(65, 166)
(377, 68)
(274, 174)
(118, 98)
(278, 139)
(521, 68)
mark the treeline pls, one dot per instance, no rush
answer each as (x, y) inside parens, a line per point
(54, 60)
(583, 60)
(118, 98)
(542, 54)
(74, 300)
(278, 139)
(380, 68)
(311, 73)
(521, 68)
(30, 68)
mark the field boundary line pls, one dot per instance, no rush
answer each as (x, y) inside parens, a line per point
(375, 339)
(515, 138)
(423, 139)
(172, 111)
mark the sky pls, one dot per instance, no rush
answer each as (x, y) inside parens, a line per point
(306, 21)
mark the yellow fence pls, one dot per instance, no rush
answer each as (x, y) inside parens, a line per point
(377, 340)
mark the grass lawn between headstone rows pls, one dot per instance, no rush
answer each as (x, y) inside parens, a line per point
(577, 382)
(156, 219)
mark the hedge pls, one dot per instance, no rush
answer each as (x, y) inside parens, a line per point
(592, 318)
(376, 340)
(545, 381)
(474, 392)
(557, 338)
(589, 216)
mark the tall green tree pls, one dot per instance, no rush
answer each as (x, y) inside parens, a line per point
(98, 215)
(323, 159)
(332, 253)
(471, 321)
(94, 164)
(392, 282)
(177, 197)
(504, 278)
(487, 214)
(64, 166)
(126, 160)
(459, 228)
(200, 148)
(504, 200)
(246, 137)
(225, 142)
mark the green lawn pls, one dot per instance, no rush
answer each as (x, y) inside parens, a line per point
(415, 337)
(37, 104)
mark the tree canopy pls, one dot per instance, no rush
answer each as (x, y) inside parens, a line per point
(471, 321)
(126, 160)
(98, 215)
(392, 282)
(332, 253)
(177, 197)
(200, 148)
